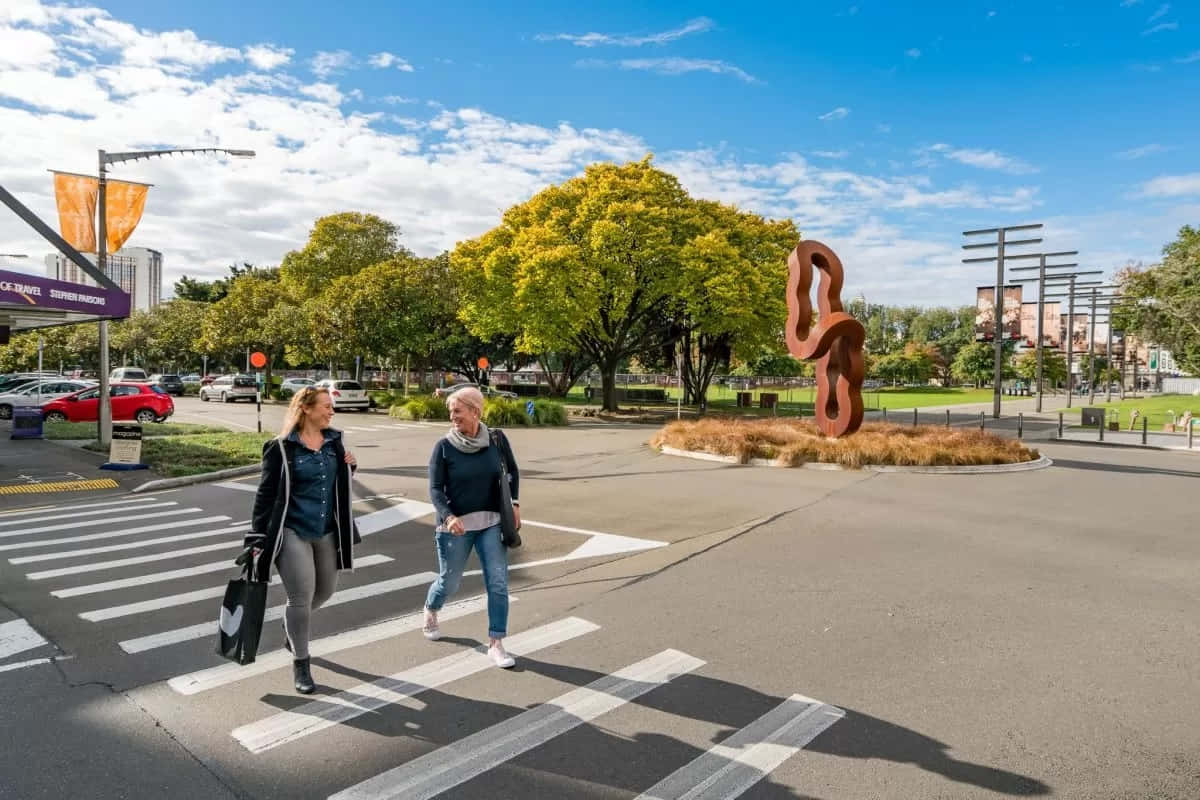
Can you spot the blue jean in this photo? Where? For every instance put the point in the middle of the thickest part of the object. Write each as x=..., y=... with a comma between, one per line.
x=453, y=552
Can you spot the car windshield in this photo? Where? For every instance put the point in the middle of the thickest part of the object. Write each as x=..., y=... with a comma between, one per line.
x=349, y=385
x=244, y=380
x=158, y=390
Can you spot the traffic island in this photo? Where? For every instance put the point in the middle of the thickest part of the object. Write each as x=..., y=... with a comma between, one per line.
x=876, y=446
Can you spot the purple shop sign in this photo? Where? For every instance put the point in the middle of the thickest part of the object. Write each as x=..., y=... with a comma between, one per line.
x=19, y=289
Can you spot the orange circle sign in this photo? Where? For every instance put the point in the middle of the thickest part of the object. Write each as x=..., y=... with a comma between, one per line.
x=482, y=363
x=258, y=360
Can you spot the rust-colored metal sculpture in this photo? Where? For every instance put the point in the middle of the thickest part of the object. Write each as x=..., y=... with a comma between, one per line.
x=835, y=343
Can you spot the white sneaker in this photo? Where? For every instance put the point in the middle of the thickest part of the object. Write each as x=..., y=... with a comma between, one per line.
x=430, y=629
x=500, y=657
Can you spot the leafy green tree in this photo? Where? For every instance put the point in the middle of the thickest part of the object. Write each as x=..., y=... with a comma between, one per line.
x=1054, y=367
x=1164, y=299
x=976, y=363
x=948, y=330
x=592, y=266
x=339, y=245
x=258, y=313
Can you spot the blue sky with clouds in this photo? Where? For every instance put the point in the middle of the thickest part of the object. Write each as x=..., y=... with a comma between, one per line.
x=884, y=131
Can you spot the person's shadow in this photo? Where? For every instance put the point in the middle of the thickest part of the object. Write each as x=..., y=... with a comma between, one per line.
x=636, y=762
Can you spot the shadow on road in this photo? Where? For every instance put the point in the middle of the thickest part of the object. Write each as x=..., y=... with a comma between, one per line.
x=1132, y=469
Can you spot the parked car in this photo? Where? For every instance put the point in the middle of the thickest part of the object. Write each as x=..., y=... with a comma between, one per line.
x=137, y=401
x=229, y=388
x=346, y=395
x=10, y=383
x=191, y=379
x=128, y=374
x=444, y=392
x=173, y=384
x=37, y=393
x=292, y=385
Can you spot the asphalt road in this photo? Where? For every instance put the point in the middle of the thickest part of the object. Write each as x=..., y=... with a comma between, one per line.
x=800, y=634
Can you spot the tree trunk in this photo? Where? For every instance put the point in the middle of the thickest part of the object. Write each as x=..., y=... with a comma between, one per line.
x=608, y=384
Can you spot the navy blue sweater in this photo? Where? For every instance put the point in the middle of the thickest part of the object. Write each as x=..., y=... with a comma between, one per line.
x=460, y=483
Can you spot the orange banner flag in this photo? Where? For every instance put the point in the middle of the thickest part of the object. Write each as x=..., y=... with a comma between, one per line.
x=124, y=204
x=76, y=198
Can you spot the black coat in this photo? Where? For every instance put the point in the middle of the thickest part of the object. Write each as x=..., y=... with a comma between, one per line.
x=274, y=494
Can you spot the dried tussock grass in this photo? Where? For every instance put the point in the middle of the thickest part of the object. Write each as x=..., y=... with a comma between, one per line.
x=795, y=442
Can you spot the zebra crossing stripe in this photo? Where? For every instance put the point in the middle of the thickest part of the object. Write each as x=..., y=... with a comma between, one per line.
x=288, y=726
x=91, y=537
x=18, y=636
x=457, y=763
x=96, y=566
x=730, y=768
x=205, y=629
x=242, y=487
x=170, y=601
x=154, y=577
x=94, y=522
x=213, y=677
x=9, y=515
x=112, y=548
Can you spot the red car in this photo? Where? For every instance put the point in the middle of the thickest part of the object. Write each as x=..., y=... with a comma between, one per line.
x=143, y=402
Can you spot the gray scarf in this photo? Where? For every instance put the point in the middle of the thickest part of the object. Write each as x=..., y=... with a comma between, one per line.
x=465, y=444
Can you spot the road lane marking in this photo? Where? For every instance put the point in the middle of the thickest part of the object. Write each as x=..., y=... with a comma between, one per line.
x=243, y=487
x=204, y=629
x=97, y=566
x=93, y=523
x=452, y=765
x=18, y=636
x=91, y=537
x=288, y=726
x=113, y=548
x=223, y=674
x=8, y=515
x=728, y=769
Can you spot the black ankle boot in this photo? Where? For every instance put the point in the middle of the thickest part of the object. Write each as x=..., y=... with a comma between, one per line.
x=304, y=681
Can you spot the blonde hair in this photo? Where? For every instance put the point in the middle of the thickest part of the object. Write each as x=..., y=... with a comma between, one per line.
x=302, y=400
x=470, y=397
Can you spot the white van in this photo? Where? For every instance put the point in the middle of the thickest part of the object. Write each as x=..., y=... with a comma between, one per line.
x=133, y=374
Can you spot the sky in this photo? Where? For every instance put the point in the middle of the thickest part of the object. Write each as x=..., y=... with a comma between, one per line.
x=884, y=132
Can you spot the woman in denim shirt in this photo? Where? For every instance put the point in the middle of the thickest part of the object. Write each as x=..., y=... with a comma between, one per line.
x=302, y=517
x=464, y=474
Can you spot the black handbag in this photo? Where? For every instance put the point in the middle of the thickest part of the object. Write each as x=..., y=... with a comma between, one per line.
x=240, y=623
x=509, y=530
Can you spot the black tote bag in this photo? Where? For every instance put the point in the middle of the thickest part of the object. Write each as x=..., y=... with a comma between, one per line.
x=240, y=623
x=508, y=520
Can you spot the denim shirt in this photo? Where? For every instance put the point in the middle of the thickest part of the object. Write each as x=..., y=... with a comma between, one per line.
x=310, y=510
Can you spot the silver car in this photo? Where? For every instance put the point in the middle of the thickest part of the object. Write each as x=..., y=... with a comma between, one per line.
x=38, y=392
x=229, y=388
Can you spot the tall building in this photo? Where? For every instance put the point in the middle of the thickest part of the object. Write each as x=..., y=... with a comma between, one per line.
x=137, y=270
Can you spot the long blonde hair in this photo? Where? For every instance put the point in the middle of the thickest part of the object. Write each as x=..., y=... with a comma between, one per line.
x=302, y=400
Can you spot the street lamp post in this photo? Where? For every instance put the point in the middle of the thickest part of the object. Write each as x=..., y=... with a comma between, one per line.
x=104, y=418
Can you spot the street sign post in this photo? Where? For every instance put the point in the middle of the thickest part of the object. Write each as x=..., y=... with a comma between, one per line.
x=258, y=360
x=529, y=408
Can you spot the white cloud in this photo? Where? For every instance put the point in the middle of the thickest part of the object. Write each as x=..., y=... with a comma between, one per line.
x=328, y=62
x=672, y=66
x=325, y=92
x=1163, y=26
x=841, y=112
x=1159, y=13
x=698, y=25
x=397, y=100
x=1142, y=152
x=1190, y=58
x=993, y=13
x=912, y=52
x=384, y=60
x=268, y=56
x=24, y=47
x=983, y=159
x=1026, y=58
x=1173, y=186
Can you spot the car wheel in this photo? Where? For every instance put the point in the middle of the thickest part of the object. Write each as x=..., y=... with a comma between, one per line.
x=56, y=416
x=145, y=415
x=224, y=397
x=5, y=412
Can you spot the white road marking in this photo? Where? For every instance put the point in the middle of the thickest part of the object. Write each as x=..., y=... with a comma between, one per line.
x=113, y=548
x=155, y=577
x=728, y=769
x=288, y=726
x=18, y=636
x=91, y=537
x=96, y=566
x=93, y=523
x=244, y=487
x=211, y=678
x=33, y=663
x=9, y=515
x=169, y=601
x=205, y=629
x=457, y=763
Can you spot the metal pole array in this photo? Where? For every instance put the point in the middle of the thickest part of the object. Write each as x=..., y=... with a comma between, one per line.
x=1043, y=279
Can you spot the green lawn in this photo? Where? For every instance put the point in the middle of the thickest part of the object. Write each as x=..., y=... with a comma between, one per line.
x=1158, y=408
x=174, y=456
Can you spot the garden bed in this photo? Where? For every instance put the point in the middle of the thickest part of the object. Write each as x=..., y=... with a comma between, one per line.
x=793, y=442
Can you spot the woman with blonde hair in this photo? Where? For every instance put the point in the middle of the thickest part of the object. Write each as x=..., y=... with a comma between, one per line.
x=303, y=518
x=464, y=484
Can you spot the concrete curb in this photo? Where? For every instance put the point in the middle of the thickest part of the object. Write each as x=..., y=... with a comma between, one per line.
x=188, y=480
x=1134, y=446
x=978, y=469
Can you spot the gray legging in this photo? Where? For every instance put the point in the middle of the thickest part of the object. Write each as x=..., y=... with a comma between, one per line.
x=308, y=569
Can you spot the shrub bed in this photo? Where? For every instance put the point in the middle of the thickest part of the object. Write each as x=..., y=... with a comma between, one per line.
x=421, y=407
x=795, y=442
